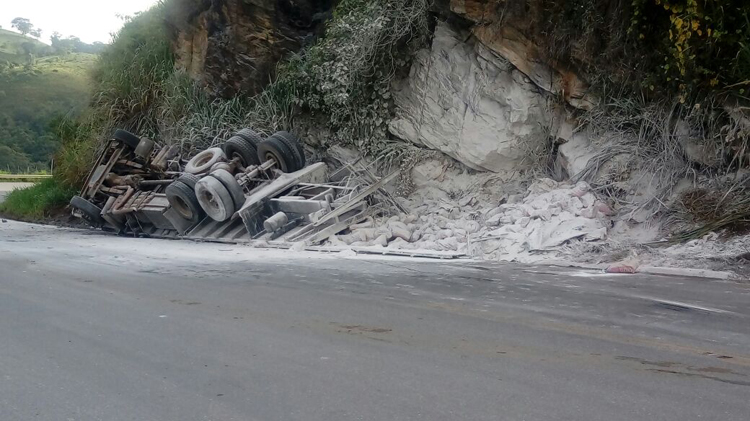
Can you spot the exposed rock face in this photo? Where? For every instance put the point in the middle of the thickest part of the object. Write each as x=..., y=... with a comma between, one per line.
x=233, y=46
x=467, y=102
x=507, y=28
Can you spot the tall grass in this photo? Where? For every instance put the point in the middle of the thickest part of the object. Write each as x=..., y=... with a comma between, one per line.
x=131, y=73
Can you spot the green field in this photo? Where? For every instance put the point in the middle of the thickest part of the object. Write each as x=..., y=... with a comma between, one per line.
x=35, y=92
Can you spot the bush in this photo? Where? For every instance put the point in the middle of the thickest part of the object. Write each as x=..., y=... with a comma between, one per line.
x=345, y=77
x=79, y=144
x=661, y=48
x=697, y=46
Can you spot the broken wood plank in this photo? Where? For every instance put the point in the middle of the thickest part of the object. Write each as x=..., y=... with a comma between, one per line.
x=354, y=201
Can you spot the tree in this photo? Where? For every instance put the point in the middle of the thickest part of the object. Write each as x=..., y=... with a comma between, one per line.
x=60, y=45
x=23, y=25
x=36, y=33
x=28, y=48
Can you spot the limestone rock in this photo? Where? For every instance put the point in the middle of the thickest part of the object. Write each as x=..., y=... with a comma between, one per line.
x=470, y=104
x=574, y=155
x=696, y=149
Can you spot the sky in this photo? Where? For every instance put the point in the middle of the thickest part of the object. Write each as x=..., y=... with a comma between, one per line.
x=89, y=20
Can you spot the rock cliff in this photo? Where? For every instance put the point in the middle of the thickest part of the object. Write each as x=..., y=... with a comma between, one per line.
x=483, y=92
x=233, y=46
x=470, y=103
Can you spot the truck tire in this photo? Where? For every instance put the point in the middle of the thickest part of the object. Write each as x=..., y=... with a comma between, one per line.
x=127, y=138
x=145, y=148
x=184, y=201
x=251, y=136
x=245, y=150
x=90, y=211
x=232, y=186
x=295, y=145
x=189, y=179
x=203, y=162
x=277, y=150
x=215, y=199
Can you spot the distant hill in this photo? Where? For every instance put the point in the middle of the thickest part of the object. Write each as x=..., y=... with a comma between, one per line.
x=32, y=96
x=15, y=48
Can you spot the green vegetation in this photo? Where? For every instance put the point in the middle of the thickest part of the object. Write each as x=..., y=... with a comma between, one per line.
x=33, y=99
x=41, y=96
x=687, y=49
x=345, y=77
x=38, y=200
x=25, y=27
x=73, y=44
x=130, y=75
x=697, y=45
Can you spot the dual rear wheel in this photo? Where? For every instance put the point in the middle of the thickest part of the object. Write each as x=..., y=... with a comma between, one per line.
x=218, y=194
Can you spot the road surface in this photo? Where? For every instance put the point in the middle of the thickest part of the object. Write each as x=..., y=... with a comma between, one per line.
x=95, y=327
x=6, y=188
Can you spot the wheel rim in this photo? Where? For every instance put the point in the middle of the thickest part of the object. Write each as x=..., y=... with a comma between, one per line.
x=87, y=214
x=276, y=159
x=210, y=199
x=237, y=155
x=182, y=207
x=203, y=160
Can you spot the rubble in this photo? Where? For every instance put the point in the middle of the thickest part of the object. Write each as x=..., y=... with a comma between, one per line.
x=549, y=215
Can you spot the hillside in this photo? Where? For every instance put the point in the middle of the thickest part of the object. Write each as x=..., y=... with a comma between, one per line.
x=31, y=97
x=14, y=47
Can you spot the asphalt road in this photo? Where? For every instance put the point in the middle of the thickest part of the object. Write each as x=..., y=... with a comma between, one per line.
x=94, y=327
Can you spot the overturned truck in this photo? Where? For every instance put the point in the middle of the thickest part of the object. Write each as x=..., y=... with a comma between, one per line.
x=249, y=188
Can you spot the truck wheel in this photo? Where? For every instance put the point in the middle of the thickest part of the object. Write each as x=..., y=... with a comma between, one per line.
x=145, y=148
x=245, y=150
x=90, y=211
x=276, y=150
x=184, y=201
x=295, y=145
x=203, y=162
x=189, y=179
x=127, y=138
x=251, y=136
x=215, y=199
x=232, y=186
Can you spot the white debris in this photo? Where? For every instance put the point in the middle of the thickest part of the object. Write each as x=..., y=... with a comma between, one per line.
x=548, y=215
